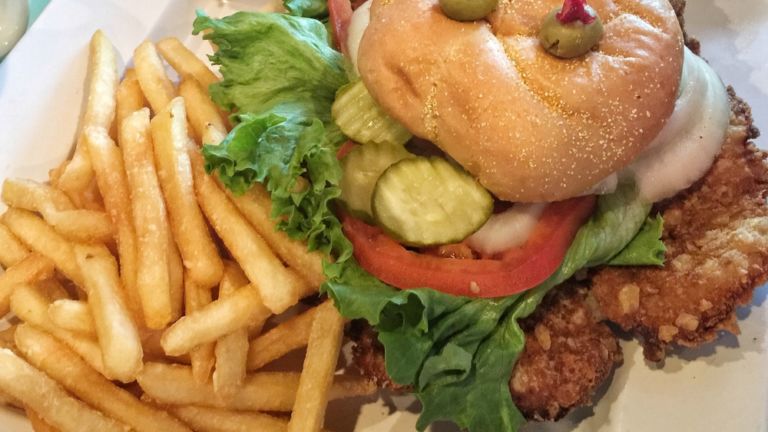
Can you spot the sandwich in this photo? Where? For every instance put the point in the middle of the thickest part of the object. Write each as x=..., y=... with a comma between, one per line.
x=493, y=182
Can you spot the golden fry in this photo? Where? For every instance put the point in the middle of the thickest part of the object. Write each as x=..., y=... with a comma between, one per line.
x=150, y=219
x=202, y=112
x=37, y=422
x=176, y=273
x=201, y=357
x=264, y=391
x=205, y=419
x=11, y=249
x=117, y=333
x=319, y=367
x=213, y=321
x=32, y=307
x=232, y=349
x=41, y=238
x=99, y=111
x=280, y=288
x=72, y=315
x=31, y=269
x=129, y=99
x=57, y=209
x=57, y=361
x=171, y=142
x=280, y=340
x=38, y=392
x=155, y=84
x=185, y=62
x=113, y=184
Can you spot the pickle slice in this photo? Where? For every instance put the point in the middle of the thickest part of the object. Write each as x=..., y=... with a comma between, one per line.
x=427, y=201
x=361, y=119
x=360, y=170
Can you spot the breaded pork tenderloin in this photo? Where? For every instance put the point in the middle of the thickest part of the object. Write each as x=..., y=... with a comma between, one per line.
x=568, y=355
x=716, y=235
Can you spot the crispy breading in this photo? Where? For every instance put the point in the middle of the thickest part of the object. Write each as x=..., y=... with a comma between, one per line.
x=716, y=234
x=568, y=354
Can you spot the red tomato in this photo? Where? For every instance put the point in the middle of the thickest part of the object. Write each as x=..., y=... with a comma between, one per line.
x=340, y=13
x=345, y=149
x=516, y=270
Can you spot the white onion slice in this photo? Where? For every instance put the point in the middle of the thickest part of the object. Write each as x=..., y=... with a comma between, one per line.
x=507, y=229
x=357, y=25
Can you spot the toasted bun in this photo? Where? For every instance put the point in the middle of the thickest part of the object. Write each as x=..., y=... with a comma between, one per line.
x=529, y=126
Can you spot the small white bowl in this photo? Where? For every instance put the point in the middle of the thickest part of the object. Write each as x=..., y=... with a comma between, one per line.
x=13, y=23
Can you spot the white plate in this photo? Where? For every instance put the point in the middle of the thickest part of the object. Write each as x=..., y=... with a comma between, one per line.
x=721, y=387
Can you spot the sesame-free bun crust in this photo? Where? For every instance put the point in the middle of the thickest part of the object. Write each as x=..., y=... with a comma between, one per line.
x=530, y=127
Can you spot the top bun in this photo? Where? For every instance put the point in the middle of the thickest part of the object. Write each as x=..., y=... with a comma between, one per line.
x=529, y=126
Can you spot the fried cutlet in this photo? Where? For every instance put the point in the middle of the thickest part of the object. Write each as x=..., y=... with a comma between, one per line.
x=716, y=235
x=568, y=354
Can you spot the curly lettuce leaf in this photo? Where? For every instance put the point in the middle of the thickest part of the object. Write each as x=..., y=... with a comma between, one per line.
x=461, y=349
x=280, y=76
x=274, y=63
x=307, y=8
x=646, y=248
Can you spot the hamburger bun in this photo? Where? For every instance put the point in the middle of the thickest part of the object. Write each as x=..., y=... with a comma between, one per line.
x=529, y=126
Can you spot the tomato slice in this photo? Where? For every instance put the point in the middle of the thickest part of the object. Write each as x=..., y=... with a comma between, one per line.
x=515, y=270
x=340, y=13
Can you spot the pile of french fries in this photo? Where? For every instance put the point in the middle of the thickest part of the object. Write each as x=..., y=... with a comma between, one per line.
x=136, y=288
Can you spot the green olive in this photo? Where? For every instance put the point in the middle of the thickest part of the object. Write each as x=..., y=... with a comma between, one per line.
x=570, y=40
x=467, y=10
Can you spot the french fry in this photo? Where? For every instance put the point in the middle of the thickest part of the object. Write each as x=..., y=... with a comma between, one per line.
x=58, y=211
x=232, y=349
x=38, y=392
x=199, y=253
x=72, y=315
x=9, y=401
x=213, y=321
x=31, y=269
x=155, y=85
x=317, y=374
x=32, y=308
x=201, y=111
x=280, y=288
x=11, y=249
x=264, y=391
x=185, y=62
x=150, y=218
x=129, y=99
x=99, y=111
x=205, y=419
x=64, y=366
x=153, y=351
x=201, y=357
x=233, y=277
x=176, y=273
x=41, y=238
x=113, y=184
x=282, y=339
x=37, y=422
x=256, y=206
x=116, y=331
x=33, y=196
